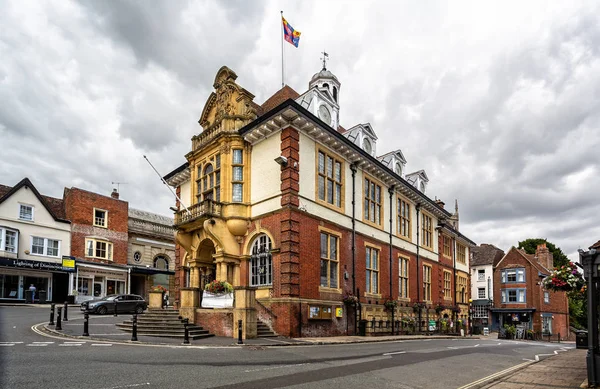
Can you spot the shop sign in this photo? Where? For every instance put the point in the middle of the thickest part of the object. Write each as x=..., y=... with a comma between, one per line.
x=68, y=262
x=34, y=265
x=83, y=272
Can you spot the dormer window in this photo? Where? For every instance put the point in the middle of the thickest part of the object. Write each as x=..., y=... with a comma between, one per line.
x=398, y=168
x=367, y=145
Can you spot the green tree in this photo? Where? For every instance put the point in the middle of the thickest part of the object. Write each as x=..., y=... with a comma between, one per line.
x=530, y=245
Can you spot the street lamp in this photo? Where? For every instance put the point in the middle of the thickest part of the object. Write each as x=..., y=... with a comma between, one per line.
x=470, y=314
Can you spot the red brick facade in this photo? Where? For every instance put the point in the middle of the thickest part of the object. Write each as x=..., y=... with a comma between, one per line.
x=79, y=209
x=558, y=306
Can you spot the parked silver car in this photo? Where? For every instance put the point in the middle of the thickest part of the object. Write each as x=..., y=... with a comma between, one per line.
x=123, y=302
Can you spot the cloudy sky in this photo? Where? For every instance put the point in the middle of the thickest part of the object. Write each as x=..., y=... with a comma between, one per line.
x=498, y=102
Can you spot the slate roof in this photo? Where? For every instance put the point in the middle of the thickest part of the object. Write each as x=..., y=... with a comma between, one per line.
x=279, y=97
x=486, y=254
x=594, y=246
x=56, y=207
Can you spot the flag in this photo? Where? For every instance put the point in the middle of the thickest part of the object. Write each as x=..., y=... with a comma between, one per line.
x=289, y=34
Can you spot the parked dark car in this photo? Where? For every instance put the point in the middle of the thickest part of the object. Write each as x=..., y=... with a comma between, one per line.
x=124, y=303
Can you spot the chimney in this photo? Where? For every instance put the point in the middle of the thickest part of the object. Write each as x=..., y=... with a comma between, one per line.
x=115, y=194
x=440, y=203
x=544, y=256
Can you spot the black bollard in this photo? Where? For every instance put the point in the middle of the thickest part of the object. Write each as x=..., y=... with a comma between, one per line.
x=58, y=316
x=134, y=328
x=186, y=333
x=86, y=319
x=51, y=315
x=240, y=332
x=559, y=337
x=65, y=318
x=115, y=301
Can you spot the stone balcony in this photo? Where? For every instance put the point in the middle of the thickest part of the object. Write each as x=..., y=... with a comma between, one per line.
x=198, y=213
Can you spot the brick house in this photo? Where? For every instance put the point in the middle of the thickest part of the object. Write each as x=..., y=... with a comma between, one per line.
x=98, y=242
x=295, y=211
x=520, y=299
x=484, y=258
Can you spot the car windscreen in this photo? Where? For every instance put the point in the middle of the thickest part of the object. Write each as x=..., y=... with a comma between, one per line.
x=109, y=298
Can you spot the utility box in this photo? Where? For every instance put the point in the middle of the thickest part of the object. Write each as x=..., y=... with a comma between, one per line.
x=362, y=328
x=581, y=339
x=28, y=296
x=42, y=297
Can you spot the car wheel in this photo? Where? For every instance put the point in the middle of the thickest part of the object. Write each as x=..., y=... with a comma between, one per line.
x=102, y=310
x=139, y=309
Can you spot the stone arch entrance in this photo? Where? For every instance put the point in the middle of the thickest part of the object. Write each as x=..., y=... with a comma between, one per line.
x=205, y=263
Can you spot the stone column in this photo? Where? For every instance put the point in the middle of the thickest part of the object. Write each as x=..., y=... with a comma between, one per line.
x=190, y=300
x=244, y=310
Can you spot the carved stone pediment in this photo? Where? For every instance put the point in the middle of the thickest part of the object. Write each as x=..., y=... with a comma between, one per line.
x=228, y=108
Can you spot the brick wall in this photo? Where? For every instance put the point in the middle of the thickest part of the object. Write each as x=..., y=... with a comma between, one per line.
x=216, y=321
x=79, y=209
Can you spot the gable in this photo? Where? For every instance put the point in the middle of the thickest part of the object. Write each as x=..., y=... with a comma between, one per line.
x=10, y=205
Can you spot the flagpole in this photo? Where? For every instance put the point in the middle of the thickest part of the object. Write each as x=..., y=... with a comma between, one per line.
x=281, y=24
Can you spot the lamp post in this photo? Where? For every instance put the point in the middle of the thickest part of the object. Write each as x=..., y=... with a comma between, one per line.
x=470, y=315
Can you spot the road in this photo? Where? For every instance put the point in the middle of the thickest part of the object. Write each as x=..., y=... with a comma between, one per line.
x=30, y=360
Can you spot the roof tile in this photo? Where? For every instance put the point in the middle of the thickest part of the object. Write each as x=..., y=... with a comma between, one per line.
x=279, y=97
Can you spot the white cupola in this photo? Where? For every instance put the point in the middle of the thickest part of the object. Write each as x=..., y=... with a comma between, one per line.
x=322, y=97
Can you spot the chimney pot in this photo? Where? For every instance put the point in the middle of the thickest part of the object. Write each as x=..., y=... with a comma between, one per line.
x=115, y=194
x=440, y=203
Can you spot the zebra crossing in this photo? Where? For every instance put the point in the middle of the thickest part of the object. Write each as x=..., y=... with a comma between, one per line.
x=59, y=344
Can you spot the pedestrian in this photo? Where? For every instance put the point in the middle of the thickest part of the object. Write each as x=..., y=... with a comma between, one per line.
x=165, y=300
x=32, y=289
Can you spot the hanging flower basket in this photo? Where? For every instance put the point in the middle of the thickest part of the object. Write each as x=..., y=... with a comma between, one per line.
x=350, y=299
x=456, y=309
x=390, y=305
x=439, y=308
x=564, y=279
x=418, y=306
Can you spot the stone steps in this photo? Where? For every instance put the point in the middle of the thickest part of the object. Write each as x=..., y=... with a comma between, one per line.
x=164, y=323
x=263, y=330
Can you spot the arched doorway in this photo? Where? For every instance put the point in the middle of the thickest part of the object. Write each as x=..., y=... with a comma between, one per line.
x=205, y=261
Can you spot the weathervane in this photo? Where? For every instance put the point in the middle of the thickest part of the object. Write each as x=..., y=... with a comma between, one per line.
x=324, y=59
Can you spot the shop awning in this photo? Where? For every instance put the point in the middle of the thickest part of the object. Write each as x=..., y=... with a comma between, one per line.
x=150, y=270
x=34, y=265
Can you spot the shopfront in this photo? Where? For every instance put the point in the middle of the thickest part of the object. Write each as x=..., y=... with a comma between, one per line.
x=520, y=318
x=96, y=281
x=49, y=279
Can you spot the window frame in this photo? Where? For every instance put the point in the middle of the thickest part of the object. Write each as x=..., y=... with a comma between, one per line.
x=3, y=233
x=505, y=295
x=105, y=224
x=461, y=288
x=446, y=246
x=235, y=183
x=546, y=297
x=372, y=272
x=519, y=273
x=479, y=296
x=427, y=282
x=426, y=231
x=45, y=247
x=403, y=223
x=255, y=261
x=461, y=253
x=403, y=277
x=480, y=274
x=19, y=214
x=369, y=202
x=108, y=249
x=203, y=190
x=338, y=236
x=334, y=181
x=447, y=285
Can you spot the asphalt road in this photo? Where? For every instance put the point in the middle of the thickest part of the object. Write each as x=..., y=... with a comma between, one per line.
x=30, y=360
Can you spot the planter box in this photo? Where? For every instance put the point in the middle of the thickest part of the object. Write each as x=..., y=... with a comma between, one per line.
x=155, y=299
x=210, y=300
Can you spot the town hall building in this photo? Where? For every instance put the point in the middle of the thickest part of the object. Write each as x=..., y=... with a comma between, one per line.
x=301, y=215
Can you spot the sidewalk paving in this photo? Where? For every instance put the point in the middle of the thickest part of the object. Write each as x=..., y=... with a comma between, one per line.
x=564, y=370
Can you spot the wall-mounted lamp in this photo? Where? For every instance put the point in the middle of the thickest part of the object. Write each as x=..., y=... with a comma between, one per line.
x=173, y=209
x=281, y=160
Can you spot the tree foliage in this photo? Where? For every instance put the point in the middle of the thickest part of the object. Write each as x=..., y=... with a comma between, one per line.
x=530, y=246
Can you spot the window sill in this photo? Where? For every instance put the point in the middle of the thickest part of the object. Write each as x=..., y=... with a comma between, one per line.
x=26, y=220
x=330, y=290
x=104, y=259
x=404, y=238
x=373, y=295
x=404, y=299
x=373, y=224
x=333, y=207
x=97, y=225
x=43, y=255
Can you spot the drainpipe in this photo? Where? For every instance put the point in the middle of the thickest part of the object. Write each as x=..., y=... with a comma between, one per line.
x=353, y=169
x=391, y=192
x=418, y=208
x=454, y=274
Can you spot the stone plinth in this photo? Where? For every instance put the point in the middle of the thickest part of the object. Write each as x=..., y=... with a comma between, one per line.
x=155, y=299
x=245, y=311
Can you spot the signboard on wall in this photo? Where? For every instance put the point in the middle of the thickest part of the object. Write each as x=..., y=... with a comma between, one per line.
x=34, y=265
x=68, y=262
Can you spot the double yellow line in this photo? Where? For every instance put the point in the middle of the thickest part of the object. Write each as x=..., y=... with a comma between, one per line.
x=496, y=375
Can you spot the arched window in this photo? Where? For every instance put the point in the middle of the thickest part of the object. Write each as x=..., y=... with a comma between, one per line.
x=335, y=94
x=211, y=181
x=367, y=145
x=161, y=262
x=326, y=85
x=261, y=262
x=398, y=168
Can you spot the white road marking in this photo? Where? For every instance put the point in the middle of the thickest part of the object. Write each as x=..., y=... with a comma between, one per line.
x=394, y=353
x=11, y=342
x=74, y=342
x=102, y=344
x=42, y=342
x=498, y=374
x=276, y=367
x=127, y=386
x=70, y=344
x=7, y=344
x=38, y=345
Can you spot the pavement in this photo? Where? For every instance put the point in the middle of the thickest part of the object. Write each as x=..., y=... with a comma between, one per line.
x=566, y=369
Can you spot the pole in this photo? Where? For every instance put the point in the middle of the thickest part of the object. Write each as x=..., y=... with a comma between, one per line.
x=51, y=315
x=418, y=208
x=281, y=21
x=391, y=193
x=240, y=341
x=58, y=317
x=134, y=326
x=186, y=332
x=115, y=302
x=86, y=319
x=65, y=318
x=165, y=182
x=353, y=168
